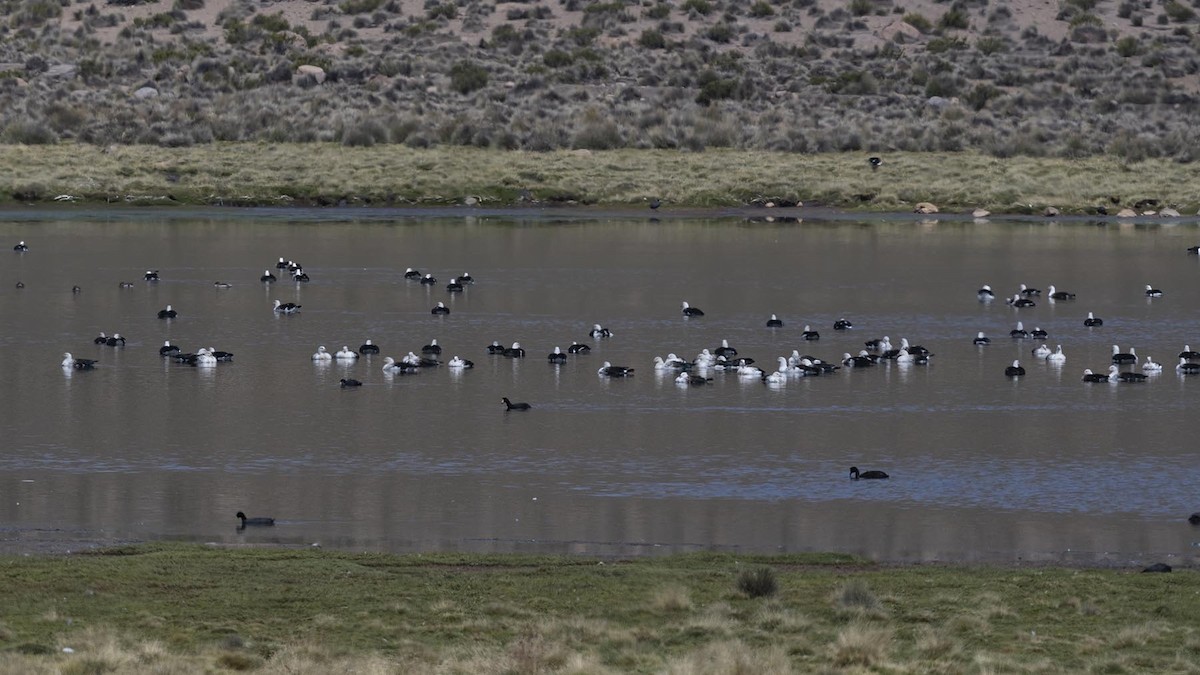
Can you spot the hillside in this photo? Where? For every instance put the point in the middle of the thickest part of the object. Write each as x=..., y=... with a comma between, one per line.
x=1029, y=77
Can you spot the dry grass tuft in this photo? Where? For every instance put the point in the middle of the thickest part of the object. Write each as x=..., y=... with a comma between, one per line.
x=671, y=598
x=731, y=658
x=861, y=645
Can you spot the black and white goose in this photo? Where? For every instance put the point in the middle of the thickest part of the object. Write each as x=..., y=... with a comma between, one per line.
x=1015, y=370
x=1038, y=334
x=454, y=286
x=1115, y=375
x=267, y=277
x=298, y=275
x=725, y=350
x=856, y=361
x=167, y=313
x=1188, y=354
x=1152, y=292
x=1019, y=302
x=281, y=265
x=985, y=293
x=20, y=247
x=842, y=324
x=286, y=307
x=557, y=356
x=609, y=370
x=509, y=405
x=346, y=354
x=77, y=364
x=1122, y=358
x=1092, y=321
x=692, y=380
x=599, y=331
x=809, y=334
x=100, y=339
x=432, y=348
x=855, y=474
x=350, y=383
x=1186, y=367
x=440, y=308
x=115, y=340
x=688, y=310
x=515, y=351
x=981, y=339
x=410, y=273
x=1030, y=292
x=368, y=348
x=428, y=280
x=150, y=275
x=1089, y=376
x=1055, y=294
x=254, y=522
x=458, y=363
x=495, y=348
x=1041, y=351
x=168, y=349
x=466, y=278
x=578, y=348
x=1019, y=332
x=774, y=322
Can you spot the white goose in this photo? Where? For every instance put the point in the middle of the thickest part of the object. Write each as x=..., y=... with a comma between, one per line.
x=344, y=354
x=322, y=355
x=1058, y=356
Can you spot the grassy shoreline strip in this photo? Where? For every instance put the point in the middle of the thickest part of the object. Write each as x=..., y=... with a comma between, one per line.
x=329, y=174
x=183, y=608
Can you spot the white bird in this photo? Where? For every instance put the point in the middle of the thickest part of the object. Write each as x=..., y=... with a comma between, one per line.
x=410, y=359
x=456, y=362
x=1058, y=356
x=205, y=359
x=749, y=371
x=986, y=294
x=775, y=378
x=1041, y=351
x=1151, y=366
x=904, y=356
x=345, y=354
x=322, y=355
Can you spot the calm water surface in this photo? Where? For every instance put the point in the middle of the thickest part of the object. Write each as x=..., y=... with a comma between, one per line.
x=983, y=467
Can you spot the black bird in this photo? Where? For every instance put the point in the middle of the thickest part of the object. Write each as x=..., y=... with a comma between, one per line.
x=150, y=275
x=267, y=277
x=368, y=348
x=578, y=348
x=1152, y=292
x=1015, y=370
x=1019, y=332
x=100, y=339
x=286, y=307
x=875, y=162
x=466, y=278
x=428, y=280
x=254, y=522
x=1019, y=302
x=1089, y=376
x=299, y=275
x=432, y=348
x=21, y=247
x=1156, y=567
x=168, y=349
x=220, y=355
x=557, y=356
x=869, y=475
x=1060, y=295
x=1038, y=334
x=609, y=370
x=1194, y=519
x=856, y=361
x=774, y=322
x=982, y=339
x=842, y=324
x=725, y=350
x=688, y=310
x=1194, y=250
x=1030, y=292
x=115, y=341
x=440, y=309
x=693, y=380
x=810, y=334
x=515, y=351
x=495, y=348
x=1187, y=353
x=281, y=265
x=78, y=364
x=350, y=383
x=1092, y=321
x=20, y=284
x=75, y=289
x=167, y=313
x=410, y=273
x=454, y=286
x=985, y=294
x=599, y=331
x=509, y=405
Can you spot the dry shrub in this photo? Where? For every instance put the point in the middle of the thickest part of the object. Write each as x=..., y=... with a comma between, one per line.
x=672, y=598
x=732, y=658
x=759, y=582
x=861, y=645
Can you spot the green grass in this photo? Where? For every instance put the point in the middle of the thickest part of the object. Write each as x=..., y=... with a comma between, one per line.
x=327, y=174
x=182, y=608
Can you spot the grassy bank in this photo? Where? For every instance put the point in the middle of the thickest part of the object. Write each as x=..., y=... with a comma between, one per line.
x=328, y=174
x=172, y=608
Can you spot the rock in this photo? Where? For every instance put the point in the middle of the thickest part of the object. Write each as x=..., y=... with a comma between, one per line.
x=61, y=70
x=470, y=201
x=1149, y=213
x=1050, y=212
x=980, y=213
x=146, y=92
x=21, y=82
x=293, y=40
x=1127, y=213
x=317, y=72
x=925, y=207
x=1158, y=567
x=938, y=102
x=1168, y=213
x=1194, y=519
x=900, y=32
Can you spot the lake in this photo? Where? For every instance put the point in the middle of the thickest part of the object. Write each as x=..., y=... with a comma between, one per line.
x=982, y=467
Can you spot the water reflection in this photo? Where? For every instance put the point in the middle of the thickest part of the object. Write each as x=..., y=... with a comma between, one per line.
x=982, y=466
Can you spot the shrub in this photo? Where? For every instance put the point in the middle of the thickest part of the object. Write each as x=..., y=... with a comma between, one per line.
x=719, y=32
x=978, y=97
x=861, y=7
x=359, y=6
x=188, y=5
x=700, y=6
x=989, y=45
x=938, y=45
x=1178, y=12
x=857, y=595
x=762, y=9
x=918, y=21
x=28, y=133
x=953, y=18
x=466, y=77
x=272, y=23
x=652, y=39
x=659, y=12
x=557, y=58
x=759, y=582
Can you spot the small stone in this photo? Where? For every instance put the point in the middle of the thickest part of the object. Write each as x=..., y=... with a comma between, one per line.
x=1127, y=213
x=317, y=72
x=980, y=213
x=1050, y=212
x=1168, y=213
x=470, y=201
x=146, y=92
x=925, y=207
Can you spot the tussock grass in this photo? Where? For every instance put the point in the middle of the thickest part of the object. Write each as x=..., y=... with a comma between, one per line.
x=184, y=609
x=331, y=174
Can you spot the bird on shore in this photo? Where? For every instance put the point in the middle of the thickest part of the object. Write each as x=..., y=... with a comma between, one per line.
x=254, y=522
x=509, y=405
x=868, y=475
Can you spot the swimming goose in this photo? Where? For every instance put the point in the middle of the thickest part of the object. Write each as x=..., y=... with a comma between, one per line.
x=168, y=349
x=515, y=351
x=167, y=313
x=1015, y=370
x=774, y=322
x=878, y=343
x=350, y=382
x=1089, y=376
x=495, y=347
x=688, y=310
x=1019, y=332
x=281, y=265
x=1058, y=356
x=115, y=341
x=322, y=355
x=428, y=280
x=1041, y=351
x=985, y=293
x=220, y=355
x=368, y=348
x=466, y=278
x=748, y=371
x=267, y=277
x=454, y=286
x=346, y=354
x=1038, y=334
x=299, y=275
x=1119, y=357
x=441, y=308
x=254, y=522
x=725, y=350
x=390, y=367
x=775, y=378
x=293, y=266
x=150, y=275
x=855, y=361
x=1029, y=292
x=609, y=370
x=204, y=358
x=1018, y=301
x=689, y=378
x=410, y=273
x=1152, y=292
x=705, y=359
x=981, y=339
x=1187, y=368
x=1114, y=375
x=78, y=364
x=809, y=334
x=1092, y=321
x=600, y=332
x=21, y=247
x=1187, y=353
x=100, y=339
x=1060, y=295
x=286, y=307
x=509, y=405
x=1151, y=366
x=842, y=324
x=557, y=356
x=577, y=348
x=432, y=348
x=222, y=284
x=459, y=363
x=868, y=475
